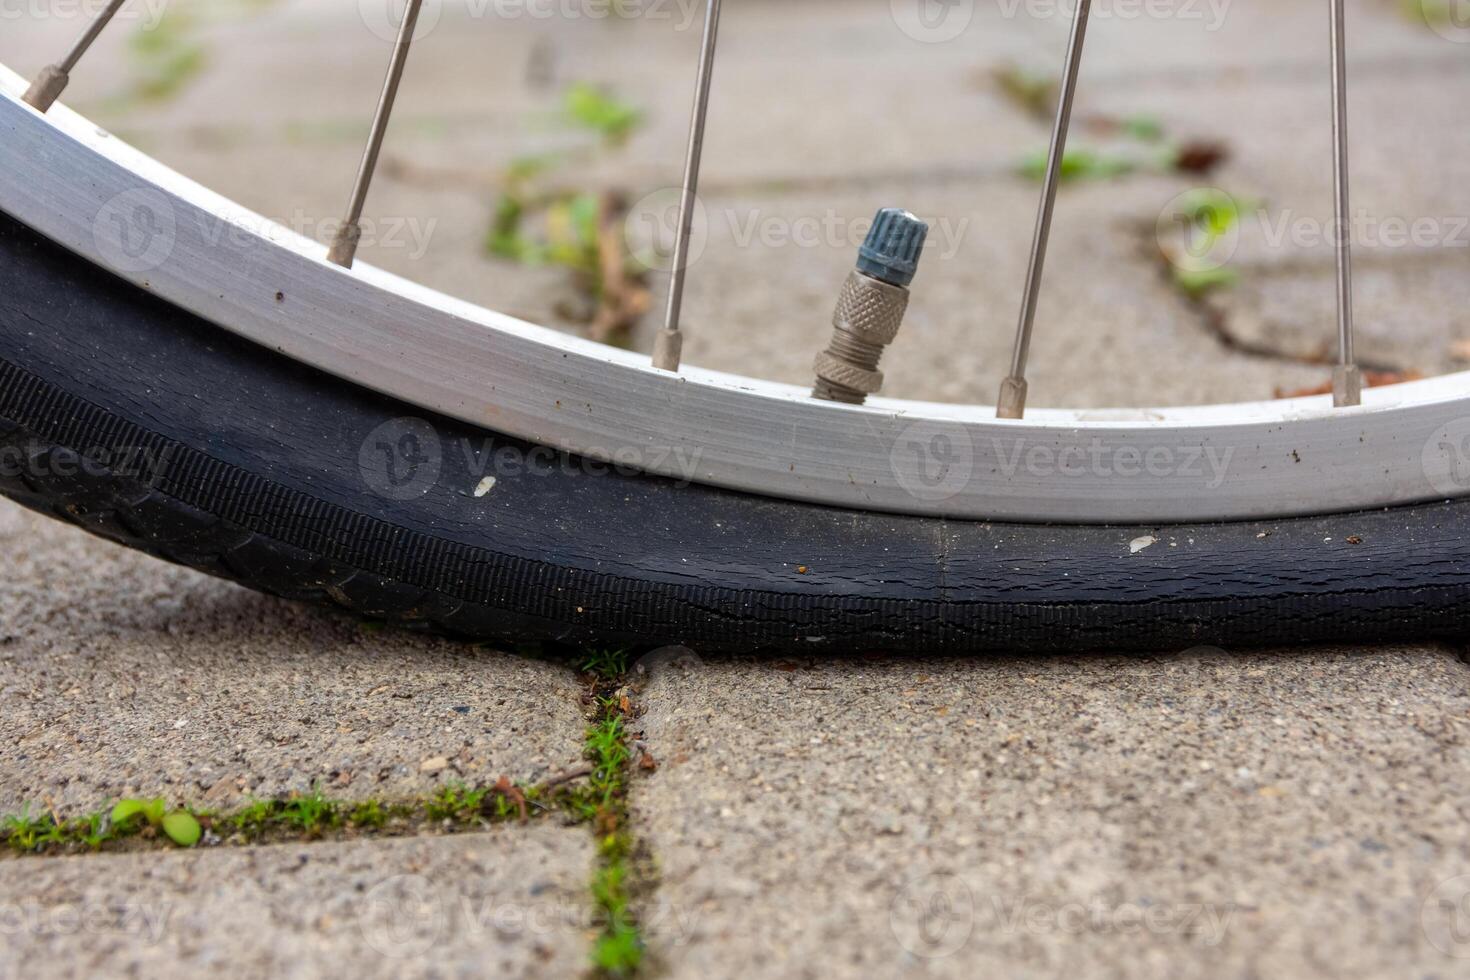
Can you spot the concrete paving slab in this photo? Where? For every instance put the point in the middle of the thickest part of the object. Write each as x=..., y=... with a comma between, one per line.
x=511, y=902
x=1283, y=813
x=123, y=675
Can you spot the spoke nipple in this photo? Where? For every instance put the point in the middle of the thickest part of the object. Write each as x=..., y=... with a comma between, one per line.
x=344, y=244
x=47, y=88
x=870, y=308
x=1012, y=403
x=1347, y=386
x=668, y=346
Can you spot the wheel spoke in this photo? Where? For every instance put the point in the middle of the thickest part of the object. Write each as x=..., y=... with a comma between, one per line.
x=668, y=346
x=1347, y=380
x=1012, y=403
x=53, y=78
x=344, y=242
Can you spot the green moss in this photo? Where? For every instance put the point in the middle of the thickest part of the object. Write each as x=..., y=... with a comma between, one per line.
x=1078, y=163
x=619, y=949
x=303, y=817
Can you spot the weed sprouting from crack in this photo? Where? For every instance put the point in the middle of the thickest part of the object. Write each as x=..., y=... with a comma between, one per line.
x=619, y=950
x=606, y=666
x=139, y=824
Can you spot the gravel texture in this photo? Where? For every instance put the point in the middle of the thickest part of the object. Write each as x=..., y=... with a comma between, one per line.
x=1283, y=813
x=120, y=675
x=509, y=903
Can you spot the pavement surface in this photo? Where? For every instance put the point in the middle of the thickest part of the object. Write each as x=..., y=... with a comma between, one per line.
x=508, y=903
x=1213, y=813
x=1209, y=813
x=123, y=676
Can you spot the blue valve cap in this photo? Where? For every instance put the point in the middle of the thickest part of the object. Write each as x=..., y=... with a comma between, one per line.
x=891, y=251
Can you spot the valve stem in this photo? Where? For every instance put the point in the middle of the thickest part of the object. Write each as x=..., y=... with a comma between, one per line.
x=870, y=308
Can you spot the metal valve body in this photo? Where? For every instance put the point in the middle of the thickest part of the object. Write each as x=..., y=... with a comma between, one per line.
x=870, y=308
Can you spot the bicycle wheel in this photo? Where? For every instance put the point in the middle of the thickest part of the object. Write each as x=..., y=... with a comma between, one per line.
x=351, y=438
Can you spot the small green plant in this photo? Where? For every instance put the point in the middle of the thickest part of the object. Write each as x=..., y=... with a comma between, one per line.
x=125, y=812
x=596, y=109
x=1145, y=129
x=1078, y=163
x=1207, y=216
x=179, y=826
x=255, y=817
x=1435, y=13
x=1035, y=93
x=605, y=664
x=24, y=832
x=1211, y=212
x=164, y=59
x=618, y=950
x=304, y=817
x=1195, y=283
x=368, y=814
x=182, y=828
x=311, y=814
x=456, y=801
x=94, y=830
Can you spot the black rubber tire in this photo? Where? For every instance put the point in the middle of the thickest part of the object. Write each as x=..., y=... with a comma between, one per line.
x=141, y=423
